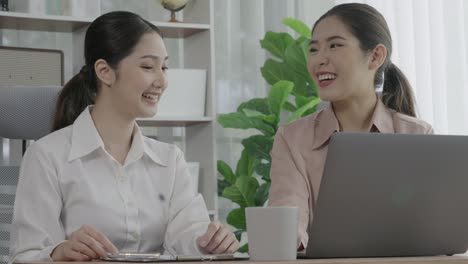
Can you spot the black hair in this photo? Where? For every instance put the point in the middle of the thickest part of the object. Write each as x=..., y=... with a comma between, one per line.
x=370, y=28
x=110, y=37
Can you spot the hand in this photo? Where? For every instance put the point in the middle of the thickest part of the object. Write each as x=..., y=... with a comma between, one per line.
x=218, y=239
x=84, y=244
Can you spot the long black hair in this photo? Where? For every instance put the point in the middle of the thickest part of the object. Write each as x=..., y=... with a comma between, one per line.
x=110, y=37
x=370, y=28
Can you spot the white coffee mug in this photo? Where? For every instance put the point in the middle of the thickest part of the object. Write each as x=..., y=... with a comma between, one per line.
x=272, y=232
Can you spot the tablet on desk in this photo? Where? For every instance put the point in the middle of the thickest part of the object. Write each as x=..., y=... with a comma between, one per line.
x=156, y=257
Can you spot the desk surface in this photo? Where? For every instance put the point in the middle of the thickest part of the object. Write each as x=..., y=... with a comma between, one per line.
x=409, y=260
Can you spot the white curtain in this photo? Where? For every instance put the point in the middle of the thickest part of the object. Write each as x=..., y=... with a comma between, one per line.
x=430, y=39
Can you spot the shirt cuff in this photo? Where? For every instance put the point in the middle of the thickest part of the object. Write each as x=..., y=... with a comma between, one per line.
x=45, y=254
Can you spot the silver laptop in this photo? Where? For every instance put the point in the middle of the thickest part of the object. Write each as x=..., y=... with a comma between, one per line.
x=392, y=195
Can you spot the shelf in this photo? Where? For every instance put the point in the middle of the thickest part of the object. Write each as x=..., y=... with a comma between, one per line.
x=24, y=21
x=173, y=121
x=180, y=29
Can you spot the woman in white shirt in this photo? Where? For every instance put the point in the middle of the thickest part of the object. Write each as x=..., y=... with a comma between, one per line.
x=97, y=186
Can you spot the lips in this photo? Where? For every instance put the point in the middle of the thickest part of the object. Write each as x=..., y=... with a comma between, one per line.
x=326, y=78
x=151, y=98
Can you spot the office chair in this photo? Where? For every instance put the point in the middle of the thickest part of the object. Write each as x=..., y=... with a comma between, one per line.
x=26, y=113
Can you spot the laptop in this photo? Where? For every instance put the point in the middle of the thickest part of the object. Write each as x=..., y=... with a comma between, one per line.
x=389, y=195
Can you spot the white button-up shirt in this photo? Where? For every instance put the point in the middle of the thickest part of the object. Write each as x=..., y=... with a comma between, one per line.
x=68, y=179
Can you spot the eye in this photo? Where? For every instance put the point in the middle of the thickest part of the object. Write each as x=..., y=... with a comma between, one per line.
x=313, y=50
x=147, y=67
x=334, y=46
x=165, y=68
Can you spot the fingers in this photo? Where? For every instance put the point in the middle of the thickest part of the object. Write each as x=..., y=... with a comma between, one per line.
x=68, y=250
x=90, y=247
x=229, y=244
x=233, y=247
x=82, y=251
x=75, y=256
x=210, y=232
x=98, y=241
x=218, y=239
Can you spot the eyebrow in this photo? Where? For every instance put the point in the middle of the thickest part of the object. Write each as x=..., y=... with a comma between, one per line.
x=154, y=57
x=328, y=39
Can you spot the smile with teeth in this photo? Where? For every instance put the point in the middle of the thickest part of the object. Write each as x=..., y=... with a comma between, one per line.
x=151, y=96
x=326, y=77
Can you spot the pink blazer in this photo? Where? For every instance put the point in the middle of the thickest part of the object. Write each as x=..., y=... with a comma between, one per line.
x=300, y=149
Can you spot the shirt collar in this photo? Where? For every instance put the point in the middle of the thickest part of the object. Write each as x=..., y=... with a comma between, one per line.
x=383, y=118
x=140, y=147
x=327, y=123
x=86, y=139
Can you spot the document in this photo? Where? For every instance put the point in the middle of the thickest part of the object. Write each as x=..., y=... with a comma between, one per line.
x=155, y=257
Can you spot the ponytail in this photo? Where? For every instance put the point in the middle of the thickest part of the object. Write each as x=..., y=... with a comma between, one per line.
x=110, y=37
x=76, y=95
x=397, y=93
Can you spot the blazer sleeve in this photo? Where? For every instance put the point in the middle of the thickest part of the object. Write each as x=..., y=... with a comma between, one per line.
x=288, y=183
x=36, y=226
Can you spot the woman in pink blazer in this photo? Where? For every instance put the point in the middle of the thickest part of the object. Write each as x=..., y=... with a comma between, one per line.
x=350, y=56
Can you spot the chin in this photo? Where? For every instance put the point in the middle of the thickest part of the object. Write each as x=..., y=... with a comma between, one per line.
x=330, y=95
x=326, y=96
x=148, y=113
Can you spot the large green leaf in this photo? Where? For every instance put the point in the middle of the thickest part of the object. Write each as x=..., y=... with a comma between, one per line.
x=298, y=26
x=296, y=59
x=236, y=218
x=262, y=194
x=300, y=112
x=222, y=184
x=246, y=164
x=270, y=119
x=263, y=169
x=288, y=106
x=259, y=146
x=297, y=62
x=278, y=95
x=225, y=170
x=241, y=121
x=257, y=104
x=276, y=43
x=302, y=100
x=243, y=191
x=274, y=71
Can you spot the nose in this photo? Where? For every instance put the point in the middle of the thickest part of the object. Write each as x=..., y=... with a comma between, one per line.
x=317, y=60
x=321, y=58
x=160, y=79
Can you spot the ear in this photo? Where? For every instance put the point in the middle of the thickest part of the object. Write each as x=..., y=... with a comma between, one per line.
x=104, y=72
x=377, y=57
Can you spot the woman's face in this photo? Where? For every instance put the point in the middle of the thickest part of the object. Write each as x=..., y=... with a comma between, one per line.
x=338, y=66
x=141, y=78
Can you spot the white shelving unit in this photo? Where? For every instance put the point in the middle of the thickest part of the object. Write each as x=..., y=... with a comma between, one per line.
x=51, y=23
x=195, y=38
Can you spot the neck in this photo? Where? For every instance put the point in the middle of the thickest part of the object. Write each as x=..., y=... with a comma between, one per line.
x=114, y=129
x=355, y=114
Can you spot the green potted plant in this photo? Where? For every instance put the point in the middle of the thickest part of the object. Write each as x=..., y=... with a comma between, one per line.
x=292, y=96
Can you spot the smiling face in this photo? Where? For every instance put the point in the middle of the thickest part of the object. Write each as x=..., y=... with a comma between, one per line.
x=141, y=78
x=336, y=63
